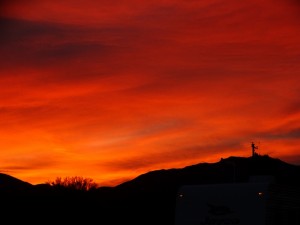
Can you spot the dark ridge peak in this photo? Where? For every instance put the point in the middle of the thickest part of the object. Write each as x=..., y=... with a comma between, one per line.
x=11, y=186
x=10, y=181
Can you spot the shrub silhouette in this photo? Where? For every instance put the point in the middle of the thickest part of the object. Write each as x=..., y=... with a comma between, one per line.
x=74, y=183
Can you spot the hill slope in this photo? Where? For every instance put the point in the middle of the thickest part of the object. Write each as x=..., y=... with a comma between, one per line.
x=232, y=169
x=10, y=183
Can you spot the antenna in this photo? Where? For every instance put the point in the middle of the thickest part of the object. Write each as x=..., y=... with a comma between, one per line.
x=253, y=147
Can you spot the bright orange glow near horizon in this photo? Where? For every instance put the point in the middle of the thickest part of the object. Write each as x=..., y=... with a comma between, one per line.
x=114, y=89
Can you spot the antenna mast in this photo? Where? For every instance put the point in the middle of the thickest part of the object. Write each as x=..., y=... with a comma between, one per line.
x=253, y=146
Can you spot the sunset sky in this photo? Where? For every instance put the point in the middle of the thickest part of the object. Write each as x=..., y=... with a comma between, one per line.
x=111, y=89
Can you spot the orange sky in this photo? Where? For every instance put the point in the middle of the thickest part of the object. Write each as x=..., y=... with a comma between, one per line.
x=113, y=89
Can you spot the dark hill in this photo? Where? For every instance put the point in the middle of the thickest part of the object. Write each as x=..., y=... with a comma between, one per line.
x=232, y=169
x=152, y=195
x=11, y=184
x=149, y=198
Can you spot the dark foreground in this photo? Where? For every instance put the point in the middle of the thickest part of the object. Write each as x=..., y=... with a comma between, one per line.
x=129, y=208
x=147, y=199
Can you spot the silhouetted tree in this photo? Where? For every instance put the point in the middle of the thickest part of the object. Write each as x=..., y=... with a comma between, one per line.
x=74, y=183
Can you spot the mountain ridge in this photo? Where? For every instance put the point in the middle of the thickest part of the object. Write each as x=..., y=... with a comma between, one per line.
x=148, y=199
x=9, y=182
x=231, y=168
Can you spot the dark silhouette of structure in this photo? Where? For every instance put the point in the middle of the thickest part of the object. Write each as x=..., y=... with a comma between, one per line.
x=253, y=146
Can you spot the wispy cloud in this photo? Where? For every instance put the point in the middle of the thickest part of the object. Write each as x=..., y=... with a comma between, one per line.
x=122, y=88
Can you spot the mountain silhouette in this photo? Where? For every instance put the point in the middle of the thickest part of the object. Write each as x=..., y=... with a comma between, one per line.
x=11, y=184
x=147, y=199
x=10, y=181
x=232, y=169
